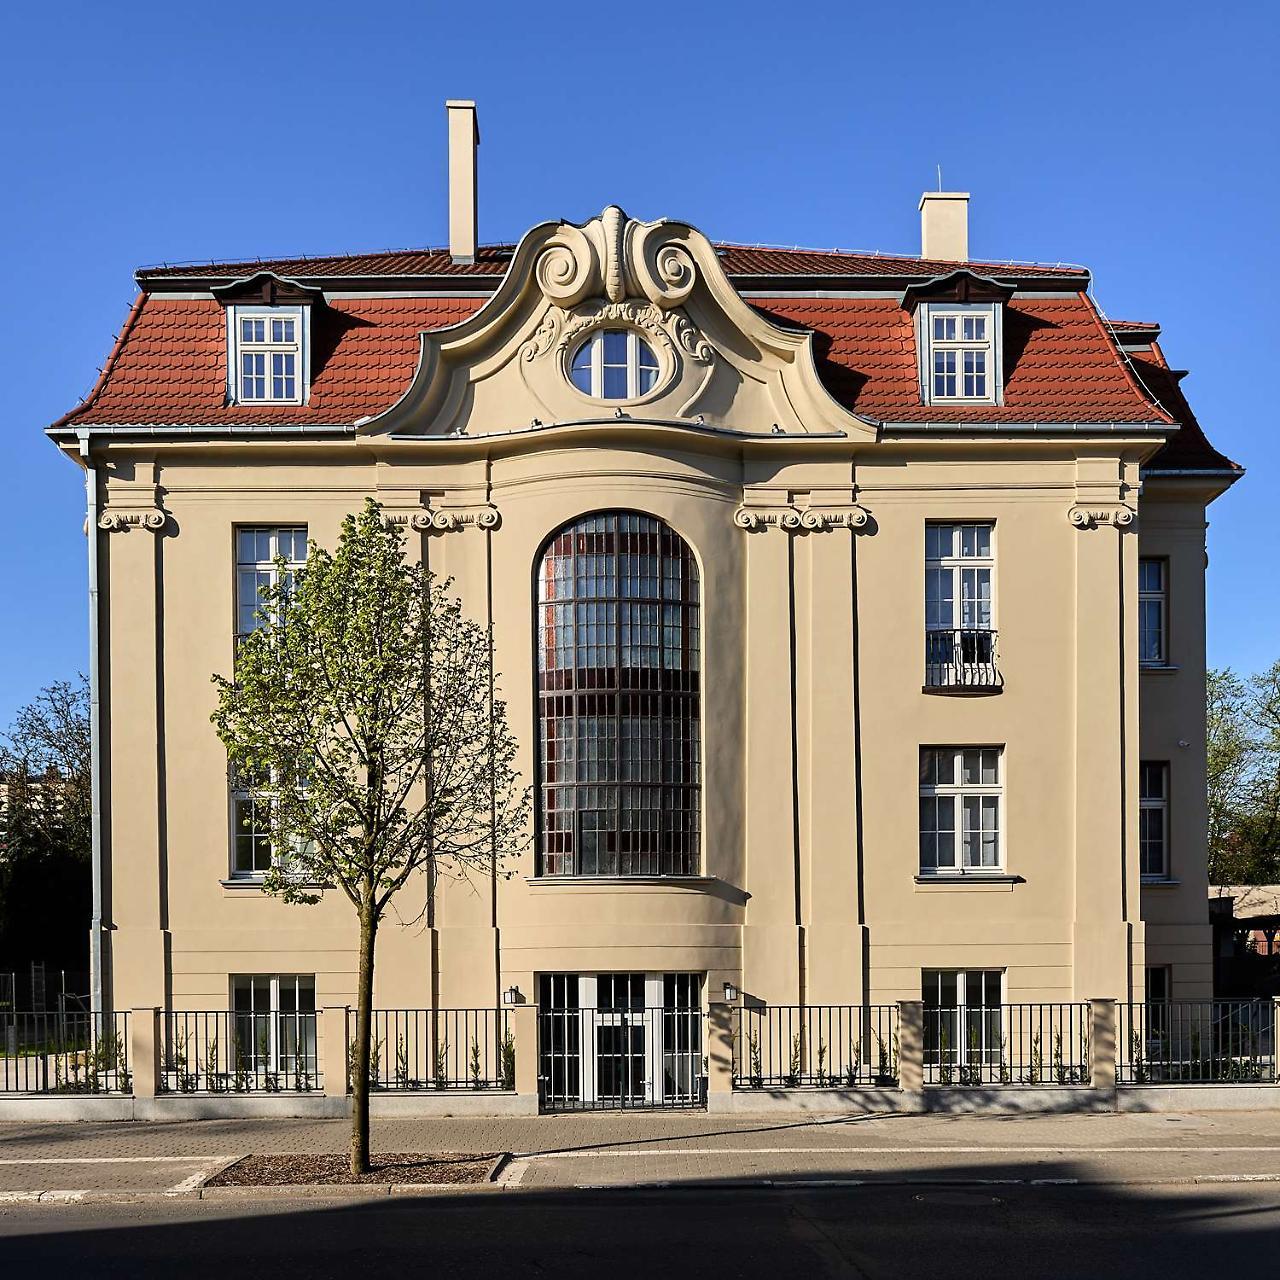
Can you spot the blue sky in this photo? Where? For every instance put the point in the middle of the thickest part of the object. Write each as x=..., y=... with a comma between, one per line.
x=1139, y=140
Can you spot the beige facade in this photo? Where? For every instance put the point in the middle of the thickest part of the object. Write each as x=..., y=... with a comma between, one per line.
x=807, y=520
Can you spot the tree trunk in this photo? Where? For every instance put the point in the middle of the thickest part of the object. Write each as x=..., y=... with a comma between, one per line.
x=362, y=1043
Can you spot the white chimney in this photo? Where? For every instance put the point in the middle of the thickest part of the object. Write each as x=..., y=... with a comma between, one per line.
x=944, y=225
x=464, y=138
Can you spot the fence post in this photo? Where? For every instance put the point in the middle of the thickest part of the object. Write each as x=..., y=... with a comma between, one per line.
x=721, y=1020
x=1102, y=1045
x=911, y=1046
x=333, y=1050
x=1275, y=1038
x=144, y=1051
x=524, y=1031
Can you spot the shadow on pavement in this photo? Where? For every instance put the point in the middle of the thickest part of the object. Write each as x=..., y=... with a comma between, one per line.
x=928, y=1230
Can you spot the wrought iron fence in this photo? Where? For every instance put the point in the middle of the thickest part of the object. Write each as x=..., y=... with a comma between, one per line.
x=414, y=1049
x=606, y=1059
x=1197, y=1042
x=1007, y=1044
x=64, y=1053
x=961, y=659
x=816, y=1046
x=221, y=1051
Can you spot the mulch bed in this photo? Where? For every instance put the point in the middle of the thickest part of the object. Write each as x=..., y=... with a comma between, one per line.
x=401, y=1168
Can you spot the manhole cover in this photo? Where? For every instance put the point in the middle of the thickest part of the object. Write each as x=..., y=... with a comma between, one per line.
x=966, y=1199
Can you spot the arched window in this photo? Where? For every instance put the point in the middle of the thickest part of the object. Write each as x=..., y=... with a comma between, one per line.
x=619, y=759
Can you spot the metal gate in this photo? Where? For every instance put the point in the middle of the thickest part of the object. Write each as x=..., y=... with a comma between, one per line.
x=621, y=1053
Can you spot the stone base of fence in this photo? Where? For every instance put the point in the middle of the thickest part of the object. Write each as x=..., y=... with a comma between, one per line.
x=791, y=1102
x=1198, y=1097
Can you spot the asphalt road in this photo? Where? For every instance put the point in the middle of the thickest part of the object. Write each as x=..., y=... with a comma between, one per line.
x=1020, y=1231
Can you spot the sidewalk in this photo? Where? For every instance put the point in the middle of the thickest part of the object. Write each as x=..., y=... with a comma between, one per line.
x=676, y=1148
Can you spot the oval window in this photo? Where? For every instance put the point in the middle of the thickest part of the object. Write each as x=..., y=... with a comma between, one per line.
x=614, y=364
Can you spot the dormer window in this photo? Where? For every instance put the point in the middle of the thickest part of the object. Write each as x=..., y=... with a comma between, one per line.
x=267, y=355
x=961, y=349
x=959, y=319
x=961, y=359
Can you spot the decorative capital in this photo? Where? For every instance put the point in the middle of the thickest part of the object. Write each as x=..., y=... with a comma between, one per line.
x=447, y=519
x=1091, y=517
x=756, y=519
x=850, y=517
x=116, y=521
x=809, y=520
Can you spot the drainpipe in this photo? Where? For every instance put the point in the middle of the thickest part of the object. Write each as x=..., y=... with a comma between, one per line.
x=95, y=729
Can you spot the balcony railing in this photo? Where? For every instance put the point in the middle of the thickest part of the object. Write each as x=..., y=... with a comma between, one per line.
x=963, y=660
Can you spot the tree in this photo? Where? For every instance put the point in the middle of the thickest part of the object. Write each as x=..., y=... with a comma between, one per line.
x=363, y=718
x=45, y=828
x=1243, y=741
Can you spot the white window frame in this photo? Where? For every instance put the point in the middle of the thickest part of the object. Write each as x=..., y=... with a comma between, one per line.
x=260, y=568
x=1159, y=805
x=990, y=1053
x=958, y=791
x=927, y=346
x=273, y=1056
x=956, y=562
x=1160, y=597
x=300, y=349
x=595, y=342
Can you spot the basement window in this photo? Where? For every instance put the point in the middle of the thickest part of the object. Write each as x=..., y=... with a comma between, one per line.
x=267, y=358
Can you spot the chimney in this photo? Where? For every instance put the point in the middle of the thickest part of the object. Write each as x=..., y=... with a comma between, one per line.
x=464, y=138
x=944, y=225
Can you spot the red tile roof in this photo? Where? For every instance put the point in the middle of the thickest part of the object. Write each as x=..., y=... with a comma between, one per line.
x=170, y=366
x=1059, y=364
x=493, y=260
x=1061, y=360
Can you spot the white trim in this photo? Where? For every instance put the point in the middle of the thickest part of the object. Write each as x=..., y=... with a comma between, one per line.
x=959, y=791
x=927, y=346
x=269, y=349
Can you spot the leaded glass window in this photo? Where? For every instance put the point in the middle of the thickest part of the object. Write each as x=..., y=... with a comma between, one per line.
x=619, y=700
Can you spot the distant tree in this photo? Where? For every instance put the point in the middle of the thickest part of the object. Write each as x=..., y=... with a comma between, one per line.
x=45, y=827
x=1243, y=740
x=363, y=719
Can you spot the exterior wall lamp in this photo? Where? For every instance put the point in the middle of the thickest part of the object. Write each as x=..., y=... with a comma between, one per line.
x=511, y=995
x=731, y=993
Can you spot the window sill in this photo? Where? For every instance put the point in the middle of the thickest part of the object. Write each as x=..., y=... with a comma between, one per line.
x=976, y=881
x=249, y=884
x=962, y=690
x=1160, y=882
x=614, y=882
x=1158, y=668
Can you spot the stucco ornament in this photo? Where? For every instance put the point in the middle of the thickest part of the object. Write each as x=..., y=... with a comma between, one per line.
x=447, y=519
x=757, y=514
x=1119, y=515
x=722, y=365
x=754, y=519
x=120, y=521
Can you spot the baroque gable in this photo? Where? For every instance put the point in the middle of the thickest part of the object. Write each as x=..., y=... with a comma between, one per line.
x=720, y=365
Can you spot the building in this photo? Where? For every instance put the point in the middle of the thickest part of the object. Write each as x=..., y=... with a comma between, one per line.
x=849, y=608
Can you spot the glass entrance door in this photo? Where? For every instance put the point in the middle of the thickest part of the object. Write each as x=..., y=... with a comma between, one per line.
x=620, y=1040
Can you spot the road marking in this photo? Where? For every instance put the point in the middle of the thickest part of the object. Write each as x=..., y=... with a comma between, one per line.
x=115, y=1159
x=654, y=1152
